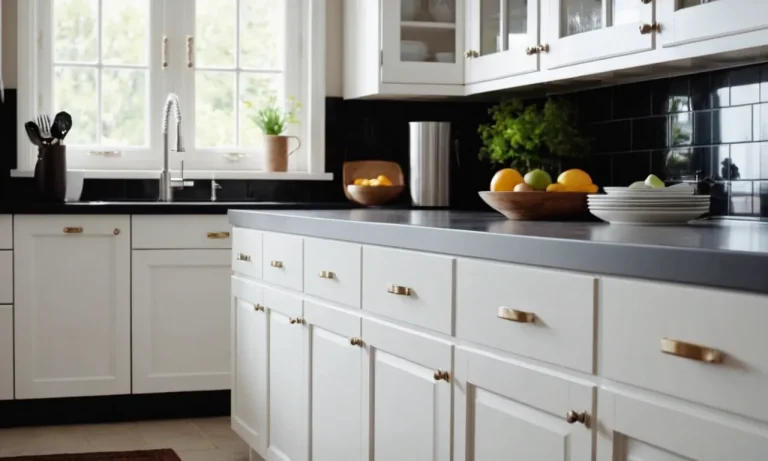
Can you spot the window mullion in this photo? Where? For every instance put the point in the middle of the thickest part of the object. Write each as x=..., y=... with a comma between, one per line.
x=99, y=105
x=237, y=74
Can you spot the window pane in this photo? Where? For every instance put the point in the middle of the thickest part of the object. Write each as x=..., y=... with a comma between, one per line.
x=123, y=116
x=261, y=34
x=75, y=37
x=581, y=16
x=255, y=89
x=215, y=109
x=75, y=92
x=517, y=17
x=215, y=37
x=125, y=29
x=490, y=26
x=690, y=3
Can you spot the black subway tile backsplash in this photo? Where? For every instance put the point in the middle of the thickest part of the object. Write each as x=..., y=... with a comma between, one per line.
x=650, y=133
x=702, y=128
x=681, y=129
x=732, y=124
x=745, y=161
x=745, y=86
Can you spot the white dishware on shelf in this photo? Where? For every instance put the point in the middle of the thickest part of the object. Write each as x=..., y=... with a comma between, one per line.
x=445, y=57
x=656, y=217
x=442, y=10
x=414, y=46
x=410, y=9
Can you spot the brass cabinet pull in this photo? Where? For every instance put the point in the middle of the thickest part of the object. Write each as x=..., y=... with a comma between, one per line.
x=164, y=51
x=276, y=264
x=218, y=235
x=356, y=341
x=243, y=257
x=531, y=50
x=73, y=230
x=326, y=275
x=468, y=54
x=190, y=51
x=573, y=417
x=690, y=351
x=513, y=315
x=398, y=290
x=542, y=48
x=296, y=320
x=442, y=375
x=258, y=308
x=646, y=28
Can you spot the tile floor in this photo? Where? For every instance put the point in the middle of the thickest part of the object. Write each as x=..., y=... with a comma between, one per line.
x=209, y=439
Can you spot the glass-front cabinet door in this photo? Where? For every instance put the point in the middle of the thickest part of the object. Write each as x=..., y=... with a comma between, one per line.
x=687, y=21
x=422, y=41
x=501, y=39
x=579, y=31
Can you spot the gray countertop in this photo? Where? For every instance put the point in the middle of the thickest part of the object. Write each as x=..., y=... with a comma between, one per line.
x=725, y=254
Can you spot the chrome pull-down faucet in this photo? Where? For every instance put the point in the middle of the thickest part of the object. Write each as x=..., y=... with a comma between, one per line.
x=167, y=184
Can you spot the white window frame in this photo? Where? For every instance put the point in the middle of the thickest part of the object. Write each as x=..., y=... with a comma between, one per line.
x=307, y=79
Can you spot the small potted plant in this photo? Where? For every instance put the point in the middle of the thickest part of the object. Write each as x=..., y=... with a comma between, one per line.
x=273, y=120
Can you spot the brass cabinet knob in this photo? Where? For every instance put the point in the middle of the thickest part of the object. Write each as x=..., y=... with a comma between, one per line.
x=276, y=264
x=398, y=290
x=542, y=48
x=243, y=257
x=116, y=231
x=513, y=315
x=573, y=417
x=645, y=2
x=73, y=230
x=475, y=54
x=646, y=28
x=356, y=341
x=258, y=308
x=691, y=351
x=326, y=275
x=468, y=54
x=218, y=235
x=442, y=375
x=296, y=321
x=531, y=50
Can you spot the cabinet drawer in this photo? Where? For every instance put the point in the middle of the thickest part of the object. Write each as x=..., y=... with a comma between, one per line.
x=246, y=252
x=422, y=285
x=6, y=352
x=181, y=232
x=283, y=262
x=6, y=277
x=494, y=300
x=637, y=316
x=332, y=270
x=6, y=232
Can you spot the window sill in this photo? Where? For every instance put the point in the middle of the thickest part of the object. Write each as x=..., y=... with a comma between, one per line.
x=195, y=175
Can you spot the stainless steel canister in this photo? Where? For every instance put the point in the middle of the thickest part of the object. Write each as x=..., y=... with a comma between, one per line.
x=430, y=148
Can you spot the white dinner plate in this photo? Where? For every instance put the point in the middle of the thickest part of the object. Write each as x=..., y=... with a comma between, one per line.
x=647, y=217
x=649, y=207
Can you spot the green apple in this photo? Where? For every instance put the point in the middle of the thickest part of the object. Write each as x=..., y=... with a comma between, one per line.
x=653, y=181
x=638, y=185
x=538, y=179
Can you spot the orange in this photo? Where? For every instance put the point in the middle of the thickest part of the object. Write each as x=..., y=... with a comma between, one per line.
x=505, y=180
x=589, y=188
x=556, y=187
x=384, y=181
x=574, y=178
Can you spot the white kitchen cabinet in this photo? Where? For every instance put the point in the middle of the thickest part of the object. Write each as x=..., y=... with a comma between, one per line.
x=502, y=36
x=250, y=365
x=72, y=322
x=403, y=47
x=507, y=410
x=579, y=31
x=6, y=352
x=406, y=394
x=687, y=21
x=6, y=232
x=337, y=359
x=288, y=378
x=180, y=305
x=644, y=427
x=6, y=277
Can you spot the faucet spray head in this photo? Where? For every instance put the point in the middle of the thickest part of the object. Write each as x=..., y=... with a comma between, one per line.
x=179, y=143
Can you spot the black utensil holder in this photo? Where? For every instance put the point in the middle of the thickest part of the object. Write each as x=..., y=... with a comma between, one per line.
x=51, y=172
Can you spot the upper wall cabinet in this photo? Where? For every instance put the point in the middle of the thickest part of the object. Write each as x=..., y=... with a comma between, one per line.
x=579, y=31
x=502, y=39
x=403, y=47
x=687, y=21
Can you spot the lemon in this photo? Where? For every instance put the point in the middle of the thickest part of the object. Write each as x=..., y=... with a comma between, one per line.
x=359, y=182
x=384, y=181
x=556, y=187
x=574, y=178
x=505, y=180
x=365, y=182
x=374, y=183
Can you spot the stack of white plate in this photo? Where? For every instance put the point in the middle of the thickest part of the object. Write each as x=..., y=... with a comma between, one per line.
x=671, y=205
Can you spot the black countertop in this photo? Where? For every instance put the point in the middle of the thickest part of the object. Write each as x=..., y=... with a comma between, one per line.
x=157, y=208
x=726, y=254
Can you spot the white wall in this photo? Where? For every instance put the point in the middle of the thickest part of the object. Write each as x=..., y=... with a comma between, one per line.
x=334, y=43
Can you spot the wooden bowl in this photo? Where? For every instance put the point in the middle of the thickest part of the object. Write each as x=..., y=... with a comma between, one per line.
x=535, y=206
x=369, y=169
x=373, y=195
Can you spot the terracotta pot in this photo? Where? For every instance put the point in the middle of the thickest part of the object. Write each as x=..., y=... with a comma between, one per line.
x=277, y=152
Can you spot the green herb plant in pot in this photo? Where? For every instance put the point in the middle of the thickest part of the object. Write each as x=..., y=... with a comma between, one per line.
x=273, y=120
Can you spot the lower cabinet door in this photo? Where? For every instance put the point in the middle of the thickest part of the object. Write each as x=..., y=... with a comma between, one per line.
x=6, y=352
x=288, y=378
x=505, y=410
x=336, y=383
x=406, y=395
x=250, y=370
x=181, y=309
x=644, y=427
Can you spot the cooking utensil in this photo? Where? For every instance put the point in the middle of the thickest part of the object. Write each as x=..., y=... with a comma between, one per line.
x=62, y=123
x=44, y=122
x=33, y=133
